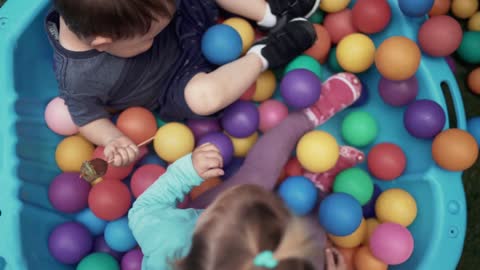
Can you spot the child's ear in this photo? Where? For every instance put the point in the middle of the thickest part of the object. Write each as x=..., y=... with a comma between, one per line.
x=101, y=43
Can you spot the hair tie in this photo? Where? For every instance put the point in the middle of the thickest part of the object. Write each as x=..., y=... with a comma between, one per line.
x=265, y=259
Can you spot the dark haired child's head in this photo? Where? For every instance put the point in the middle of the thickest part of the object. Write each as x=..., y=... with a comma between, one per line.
x=246, y=221
x=121, y=27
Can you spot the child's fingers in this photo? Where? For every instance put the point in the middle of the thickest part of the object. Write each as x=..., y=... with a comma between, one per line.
x=214, y=155
x=124, y=155
x=132, y=154
x=211, y=163
x=212, y=173
x=340, y=259
x=209, y=147
x=330, y=259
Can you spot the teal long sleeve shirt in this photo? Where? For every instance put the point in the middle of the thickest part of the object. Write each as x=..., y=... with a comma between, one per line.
x=163, y=231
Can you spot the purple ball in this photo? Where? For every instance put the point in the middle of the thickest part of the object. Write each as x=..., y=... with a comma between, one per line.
x=451, y=63
x=202, y=127
x=68, y=192
x=241, y=119
x=222, y=142
x=369, y=208
x=132, y=260
x=300, y=88
x=70, y=242
x=398, y=93
x=101, y=245
x=424, y=119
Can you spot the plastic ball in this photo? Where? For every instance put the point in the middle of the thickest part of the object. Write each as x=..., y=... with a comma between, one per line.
x=293, y=167
x=440, y=36
x=221, y=44
x=305, y=62
x=138, y=124
x=353, y=240
x=386, y=161
x=272, y=112
x=201, y=127
x=333, y=5
x=119, y=236
x=184, y=203
x=398, y=93
x=248, y=94
x=144, y=177
x=98, y=261
x=173, y=141
x=318, y=151
x=95, y=225
x=300, y=88
x=299, y=194
x=114, y=173
x=109, y=199
x=241, y=119
x=371, y=16
x=356, y=182
x=464, y=9
x=424, y=119
x=372, y=224
x=355, y=53
x=391, y=243
x=151, y=158
x=397, y=58
x=241, y=146
x=440, y=7
x=469, y=50
x=364, y=97
x=455, y=150
x=68, y=193
x=244, y=29
x=322, y=46
x=70, y=242
x=396, y=205
x=132, y=260
x=317, y=16
x=473, y=81
x=340, y=214
x=364, y=260
x=474, y=22
x=415, y=8
x=359, y=128
x=264, y=86
x=369, y=207
x=101, y=246
x=58, y=119
x=349, y=255
x=473, y=127
x=333, y=61
x=204, y=187
x=339, y=25
x=71, y=152
x=233, y=167
x=222, y=142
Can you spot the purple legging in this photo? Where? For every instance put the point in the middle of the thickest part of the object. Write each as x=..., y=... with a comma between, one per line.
x=265, y=161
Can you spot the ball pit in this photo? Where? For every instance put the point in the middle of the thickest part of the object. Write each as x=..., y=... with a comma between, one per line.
x=101, y=246
x=333, y=5
x=474, y=81
x=359, y=129
x=109, y=199
x=455, y=150
x=201, y=127
x=72, y=152
x=474, y=22
x=364, y=260
x=440, y=7
x=415, y=8
x=353, y=240
x=272, y=112
x=264, y=86
x=144, y=177
x=173, y=141
x=369, y=207
x=137, y=123
x=469, y=48
x=95, y=225
x=98, y=261
x=473, y=127
x=244, y=29
x=305, y=62
x=241, y=146
x=356, y=182
x=299, y=194
x=322, y=46
x=372, y=224
x=115, y=173
x=464, y=9
x=132, y=260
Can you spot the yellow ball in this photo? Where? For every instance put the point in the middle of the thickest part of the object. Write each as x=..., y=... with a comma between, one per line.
x=242, y=146
x=353, y=240
x=245, y=29
x=474, y=22
x=372, y=224
x=265, y=86
x=72, y=152
x=333, y=5
x=173, y=141
x=464, y=9
x=397, y=206
x=356, y=53
x=318, y=151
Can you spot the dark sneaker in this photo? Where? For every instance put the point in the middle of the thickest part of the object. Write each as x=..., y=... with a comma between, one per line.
x=286, y=10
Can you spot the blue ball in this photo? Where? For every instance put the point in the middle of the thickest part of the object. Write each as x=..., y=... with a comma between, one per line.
x=340, y=214
x=362, y=100
x=151, y=158
x=415, y=8
x=95, y=225
x=299, y=194
x=473, y=126
x=118, y=235
x=369, y=208
x=221, y=44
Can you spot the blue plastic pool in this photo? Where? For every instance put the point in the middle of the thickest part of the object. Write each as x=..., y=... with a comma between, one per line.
x=27, y=147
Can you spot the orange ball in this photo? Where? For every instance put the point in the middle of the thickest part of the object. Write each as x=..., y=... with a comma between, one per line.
x=473, y=81
x=349, y=255
x=455, y=150
x=440, y=7
x=398, y=58
x=109, y=199
x=321, y=47
x=137, y=123
x=204, y=187
x=364, y=260
x=293, y=168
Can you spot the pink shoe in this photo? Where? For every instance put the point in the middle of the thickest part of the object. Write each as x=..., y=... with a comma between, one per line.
x=338, y=92
x=349, y=157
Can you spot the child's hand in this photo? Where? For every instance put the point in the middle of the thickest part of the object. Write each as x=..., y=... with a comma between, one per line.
x=207, y=161
x=334, y=260
x=121, y=151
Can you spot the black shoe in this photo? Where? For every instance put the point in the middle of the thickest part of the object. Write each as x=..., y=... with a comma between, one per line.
x=283, y=45
x=286, y=10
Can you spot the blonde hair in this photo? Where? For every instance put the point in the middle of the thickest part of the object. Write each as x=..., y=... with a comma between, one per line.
x=245, y=221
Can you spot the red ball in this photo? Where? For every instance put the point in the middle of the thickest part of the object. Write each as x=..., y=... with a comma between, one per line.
x=371, y=16
x=293, y=168
x=339, y=25
x=137, y=123
x=109, y=199
x=144, y=177
x=117, y=173
x=272, y=112
x=386, y=161
x=440, y=36
x=321, y=47
x=248, y=95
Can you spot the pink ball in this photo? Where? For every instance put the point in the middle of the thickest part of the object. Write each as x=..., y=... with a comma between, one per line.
x=272, y=112
x=144, y=177
x=391, y=243
x=58, y=118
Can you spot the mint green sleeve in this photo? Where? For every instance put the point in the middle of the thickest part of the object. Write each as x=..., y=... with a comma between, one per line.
x=163, y=231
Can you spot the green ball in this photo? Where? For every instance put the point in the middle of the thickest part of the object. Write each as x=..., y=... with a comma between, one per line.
x=359, y=129
x=317, y=17
x=98, y=261
x=305, y=62
x=469, y=49
x=356, y=182
x=160, y=122
x=333, y=61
